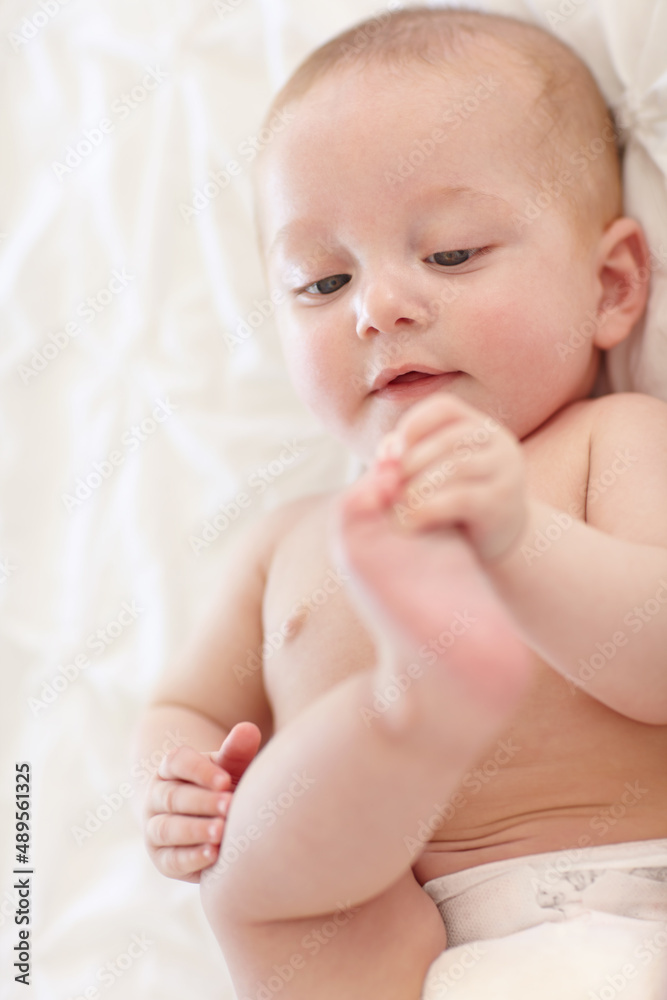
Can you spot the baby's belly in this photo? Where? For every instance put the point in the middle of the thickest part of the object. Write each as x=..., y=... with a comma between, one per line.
x=570, y=773
x=495, y=834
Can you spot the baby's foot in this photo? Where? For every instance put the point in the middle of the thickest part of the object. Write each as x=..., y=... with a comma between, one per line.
x=426, y=600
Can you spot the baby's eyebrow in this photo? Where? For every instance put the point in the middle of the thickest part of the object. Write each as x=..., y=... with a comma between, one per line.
x=286, y=232
x=455, y=193
x=439, y=192
x=280, y=237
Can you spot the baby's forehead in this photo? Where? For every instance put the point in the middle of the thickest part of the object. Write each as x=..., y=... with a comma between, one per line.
x=353, y=122
x=348, y=100
x=525, y=91
x=340, y=102
x=448, y=79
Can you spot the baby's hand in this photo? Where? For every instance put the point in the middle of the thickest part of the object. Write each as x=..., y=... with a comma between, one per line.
x=458, y=467
x=188, y=799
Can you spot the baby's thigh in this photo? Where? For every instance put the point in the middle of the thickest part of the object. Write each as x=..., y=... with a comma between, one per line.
x=380, y=950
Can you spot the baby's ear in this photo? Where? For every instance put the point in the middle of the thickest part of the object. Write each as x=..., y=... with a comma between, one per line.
x=623, y=273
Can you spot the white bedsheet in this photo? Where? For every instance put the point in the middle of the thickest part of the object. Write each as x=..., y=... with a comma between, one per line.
x=124, y=269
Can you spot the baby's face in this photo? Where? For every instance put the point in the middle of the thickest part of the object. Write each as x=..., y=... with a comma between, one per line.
x=396, y=253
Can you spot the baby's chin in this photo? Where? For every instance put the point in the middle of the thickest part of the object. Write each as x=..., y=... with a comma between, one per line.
x=364, y=441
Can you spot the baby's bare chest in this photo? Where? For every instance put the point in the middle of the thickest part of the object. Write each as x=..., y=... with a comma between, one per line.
x=313, y=636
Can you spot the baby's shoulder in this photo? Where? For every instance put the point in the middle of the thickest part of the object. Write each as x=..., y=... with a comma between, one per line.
x=269, y=531
x=627, y=480
x=627, y=417
x=634, y=404
x=603, y=414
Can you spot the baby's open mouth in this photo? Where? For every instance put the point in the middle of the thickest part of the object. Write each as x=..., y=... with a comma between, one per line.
x=397, y=381
x=410, y=377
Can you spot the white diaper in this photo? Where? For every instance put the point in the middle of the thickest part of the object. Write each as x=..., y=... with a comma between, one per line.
x=580, y=924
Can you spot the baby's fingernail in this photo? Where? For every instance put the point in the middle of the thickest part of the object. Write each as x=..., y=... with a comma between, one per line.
x=208, y=852
x=390, y=447
x=220, y=780
x=213, y=830
x=223, y=805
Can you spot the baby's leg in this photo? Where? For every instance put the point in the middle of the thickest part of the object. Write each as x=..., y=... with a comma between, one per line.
x=356, y=785
x=379, y=950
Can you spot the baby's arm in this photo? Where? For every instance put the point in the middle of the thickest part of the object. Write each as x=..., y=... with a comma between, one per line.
x=591, y=584
x=199, y=703
x=584, y=599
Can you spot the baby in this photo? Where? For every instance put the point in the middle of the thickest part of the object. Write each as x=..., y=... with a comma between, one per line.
x=485, y=679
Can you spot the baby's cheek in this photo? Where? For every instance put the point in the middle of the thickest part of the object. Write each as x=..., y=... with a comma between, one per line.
x=316, y=375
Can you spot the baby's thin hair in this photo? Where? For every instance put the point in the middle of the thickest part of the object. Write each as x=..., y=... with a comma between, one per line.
x=569, y=124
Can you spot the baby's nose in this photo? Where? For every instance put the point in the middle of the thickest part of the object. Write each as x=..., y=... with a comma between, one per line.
x=389, y=306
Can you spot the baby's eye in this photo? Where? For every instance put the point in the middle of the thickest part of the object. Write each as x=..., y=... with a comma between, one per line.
x=451, y=257
x=328, y=285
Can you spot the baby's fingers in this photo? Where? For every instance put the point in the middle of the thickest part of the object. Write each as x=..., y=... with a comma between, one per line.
x=188, y=799
x=168, y=830
x=434, y=413
x=238, y=750
x=185, y=863
x=188, y=764
x=450, y=451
